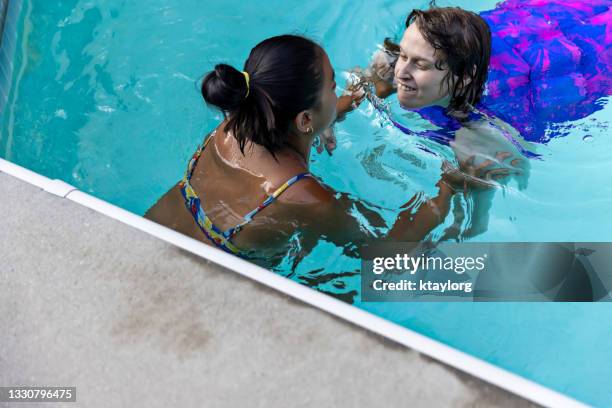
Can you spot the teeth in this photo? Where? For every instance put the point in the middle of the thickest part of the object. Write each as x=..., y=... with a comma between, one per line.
x=407, y=88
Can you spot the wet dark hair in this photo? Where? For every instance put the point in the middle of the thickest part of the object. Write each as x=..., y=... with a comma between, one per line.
x=286, y=77
x=464, y=41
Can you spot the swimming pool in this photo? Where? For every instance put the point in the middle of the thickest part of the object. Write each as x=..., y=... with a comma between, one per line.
x=105, y=98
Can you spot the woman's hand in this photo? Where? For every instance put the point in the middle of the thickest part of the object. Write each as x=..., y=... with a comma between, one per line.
x=328, y=141
x=481, y=176
x=383, y=66
x=350, y=101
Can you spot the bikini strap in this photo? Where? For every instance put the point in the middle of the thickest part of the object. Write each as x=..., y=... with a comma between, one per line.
x=247, y=218
x=194, y=159
x=189, y=194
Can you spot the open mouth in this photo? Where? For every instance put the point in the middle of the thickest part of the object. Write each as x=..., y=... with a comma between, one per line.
x=406, y=88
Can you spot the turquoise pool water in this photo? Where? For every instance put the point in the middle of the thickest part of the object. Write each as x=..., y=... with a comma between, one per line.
x=105, y=97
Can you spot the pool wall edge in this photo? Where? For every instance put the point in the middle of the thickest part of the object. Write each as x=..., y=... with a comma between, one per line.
x=9, y=9
x=453, y=357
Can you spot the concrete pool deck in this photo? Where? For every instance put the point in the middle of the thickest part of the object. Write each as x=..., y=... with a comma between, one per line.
x=131, y=320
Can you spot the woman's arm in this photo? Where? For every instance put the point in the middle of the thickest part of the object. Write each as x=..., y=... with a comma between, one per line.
x=380, y=73
x=336, y=222
x=337, y=217
x=412, y=226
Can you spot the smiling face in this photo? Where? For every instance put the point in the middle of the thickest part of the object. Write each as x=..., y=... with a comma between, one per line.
x=419, y=82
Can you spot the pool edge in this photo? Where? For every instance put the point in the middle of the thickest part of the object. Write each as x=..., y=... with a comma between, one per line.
x=439, y=351
x=8, y=10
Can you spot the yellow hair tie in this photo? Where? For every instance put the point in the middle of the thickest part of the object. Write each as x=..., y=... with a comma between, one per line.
x=246, y=78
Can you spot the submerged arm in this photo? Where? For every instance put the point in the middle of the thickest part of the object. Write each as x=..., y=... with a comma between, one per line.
x=416, y=221
x=339, y=223
x=414, y=226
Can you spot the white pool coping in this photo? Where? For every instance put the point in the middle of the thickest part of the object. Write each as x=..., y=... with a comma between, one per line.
x=453, y=357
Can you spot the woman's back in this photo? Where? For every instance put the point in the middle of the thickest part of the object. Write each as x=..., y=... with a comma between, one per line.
x=231, y=185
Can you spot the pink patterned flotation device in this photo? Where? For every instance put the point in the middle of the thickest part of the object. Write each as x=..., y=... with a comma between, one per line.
x=550, y=63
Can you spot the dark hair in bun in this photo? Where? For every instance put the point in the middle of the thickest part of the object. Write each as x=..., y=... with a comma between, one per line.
x=286, y=77
x=225, y=88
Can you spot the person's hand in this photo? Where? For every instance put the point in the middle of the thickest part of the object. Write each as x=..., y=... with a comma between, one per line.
x=383, y=65
x=328, y=141
x=350, y=101
x=481, y=176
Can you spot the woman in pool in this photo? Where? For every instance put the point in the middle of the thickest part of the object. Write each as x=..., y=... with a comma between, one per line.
x=439, y=69
x=247, y=189
x=549, y=64
x=442, y=60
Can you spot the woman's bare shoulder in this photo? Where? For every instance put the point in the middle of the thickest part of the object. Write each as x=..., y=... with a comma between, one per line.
x=307, y=191
x=170, y=211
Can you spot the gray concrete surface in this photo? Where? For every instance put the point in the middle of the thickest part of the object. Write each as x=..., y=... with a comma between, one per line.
x=132, y=321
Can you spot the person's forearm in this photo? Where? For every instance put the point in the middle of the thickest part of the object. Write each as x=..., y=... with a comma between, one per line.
x=344, y=105
x=414, y=227
x=383, y=88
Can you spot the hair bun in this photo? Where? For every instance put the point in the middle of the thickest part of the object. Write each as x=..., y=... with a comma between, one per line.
x=287, y=79
x=225, y=88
